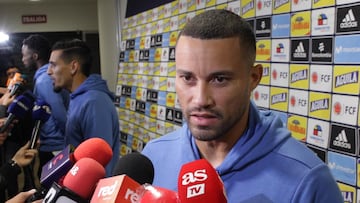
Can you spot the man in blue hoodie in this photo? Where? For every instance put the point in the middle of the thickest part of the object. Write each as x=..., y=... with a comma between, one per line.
x=35, y=55
x=91, y=112
x=254, y=155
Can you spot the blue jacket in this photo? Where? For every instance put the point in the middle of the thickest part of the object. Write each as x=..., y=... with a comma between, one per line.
x=92, y=113
x=265, y=165
x=52, y=131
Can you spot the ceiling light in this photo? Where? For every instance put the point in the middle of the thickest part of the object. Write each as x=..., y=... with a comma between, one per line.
x=3, y=37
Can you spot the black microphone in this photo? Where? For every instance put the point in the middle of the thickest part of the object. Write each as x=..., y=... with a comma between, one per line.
x=41, y=113
x=131, y=172
x=19, y=108
x=16, y=88
x=136, y=166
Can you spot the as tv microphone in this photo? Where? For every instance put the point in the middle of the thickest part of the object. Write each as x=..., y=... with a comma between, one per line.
x=199, y=182
x=79, y=183
x=136, y=166
x=41, y=113
x=19, y=108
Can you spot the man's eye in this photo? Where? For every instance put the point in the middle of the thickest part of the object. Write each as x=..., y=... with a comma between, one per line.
x=186, y=77
x=220, y=79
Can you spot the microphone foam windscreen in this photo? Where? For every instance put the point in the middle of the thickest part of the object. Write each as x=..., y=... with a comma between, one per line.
x=21, y=106
x=95, y=148
x=153, y=194
x=136, y=166
x=199, y=182
x=41, y=111
x=83, y=176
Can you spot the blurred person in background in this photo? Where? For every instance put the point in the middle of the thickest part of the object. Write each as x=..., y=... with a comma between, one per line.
x=92, y=112
x=35, y=56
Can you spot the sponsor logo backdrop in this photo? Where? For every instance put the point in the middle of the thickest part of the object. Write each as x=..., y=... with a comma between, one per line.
x=310, y=50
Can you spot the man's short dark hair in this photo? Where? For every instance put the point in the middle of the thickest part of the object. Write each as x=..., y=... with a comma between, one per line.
x=75, y=49
x=39, y=45
x=220, y=24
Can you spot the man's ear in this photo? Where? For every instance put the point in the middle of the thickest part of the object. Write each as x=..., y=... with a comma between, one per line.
x=256, y=74
x=74, y=65
x=35, y=56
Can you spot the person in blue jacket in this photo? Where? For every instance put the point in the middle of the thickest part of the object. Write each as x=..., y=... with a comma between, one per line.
x=91, y=112
x=35, y=55
x=253, y=153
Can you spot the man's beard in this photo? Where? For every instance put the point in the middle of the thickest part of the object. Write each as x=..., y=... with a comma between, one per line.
x=57, y=89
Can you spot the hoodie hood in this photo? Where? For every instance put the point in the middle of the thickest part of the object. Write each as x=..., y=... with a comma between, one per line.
x=263, y=135
x=93, y=82
x=40, y=71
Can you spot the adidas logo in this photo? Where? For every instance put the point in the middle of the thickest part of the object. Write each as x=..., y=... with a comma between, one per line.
x=321, y=47
x=342, y=141
x=349, y=20
x=300, y=51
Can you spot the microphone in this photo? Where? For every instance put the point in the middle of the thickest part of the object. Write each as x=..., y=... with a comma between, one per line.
x=199, y=182
x=41, y=113
x=16, y=84
x=136, y=166
x=131, y=171
x=152, y=194
x=15, y=89
x=79, y=183
x=95, y=148
x=57, y=167
x=119, y=188
x=18, y=109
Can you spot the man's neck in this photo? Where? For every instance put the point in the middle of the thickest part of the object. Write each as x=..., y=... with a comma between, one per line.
x=213, y=151
x=77, y=81
x=40, y=64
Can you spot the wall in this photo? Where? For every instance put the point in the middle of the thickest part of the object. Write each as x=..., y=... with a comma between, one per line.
x=60, y=17
x=310, y=51
x=110, y=14
x=87, y=16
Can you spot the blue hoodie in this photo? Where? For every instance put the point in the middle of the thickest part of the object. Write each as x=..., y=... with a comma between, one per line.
x=52, y=131
x=92, y=113
x=265, y=165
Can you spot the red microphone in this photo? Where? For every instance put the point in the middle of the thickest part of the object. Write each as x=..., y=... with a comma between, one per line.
x=119, y=188
x=79, y=183
x=95, y=148
x=153, y=194
x=199, y=182
x=86, y=172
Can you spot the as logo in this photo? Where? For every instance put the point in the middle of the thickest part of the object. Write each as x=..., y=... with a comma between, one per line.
x=194, y=177
x=190, y=177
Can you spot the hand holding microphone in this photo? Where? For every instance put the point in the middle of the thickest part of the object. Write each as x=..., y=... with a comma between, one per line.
x=18, y=109
x=41, y=113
